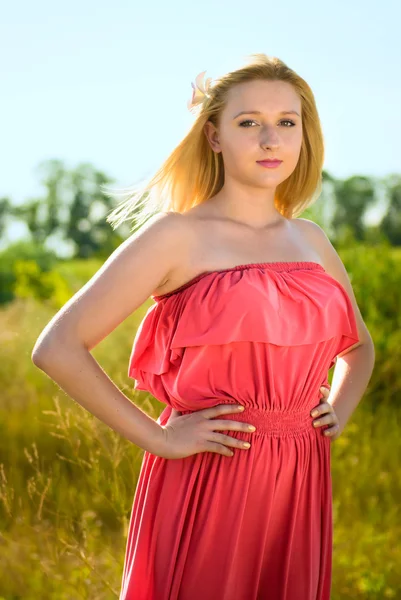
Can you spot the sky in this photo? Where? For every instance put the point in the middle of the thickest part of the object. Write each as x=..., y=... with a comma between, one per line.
x=108, y=83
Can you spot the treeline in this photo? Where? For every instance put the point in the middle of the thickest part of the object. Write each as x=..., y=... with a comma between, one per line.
x=71, y=213
x=69, y=223
x=72, y=210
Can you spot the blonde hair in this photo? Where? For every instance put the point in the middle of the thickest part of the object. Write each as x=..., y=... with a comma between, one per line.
x=193, y=172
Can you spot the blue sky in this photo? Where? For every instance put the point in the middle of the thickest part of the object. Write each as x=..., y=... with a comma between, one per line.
x=108, y=83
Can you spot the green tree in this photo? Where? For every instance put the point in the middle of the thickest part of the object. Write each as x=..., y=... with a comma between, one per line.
x=353, y=198
x=73, y=210
x=391, y=222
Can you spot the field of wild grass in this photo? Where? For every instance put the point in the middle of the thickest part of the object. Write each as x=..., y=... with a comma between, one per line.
x=67, y=481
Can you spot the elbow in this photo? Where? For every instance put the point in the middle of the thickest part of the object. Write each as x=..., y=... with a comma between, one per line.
x=44, y=351
x=50, y=350
x=37, y=359
x=40, y=359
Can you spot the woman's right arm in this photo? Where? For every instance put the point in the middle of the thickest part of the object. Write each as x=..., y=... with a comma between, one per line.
x=124, y=282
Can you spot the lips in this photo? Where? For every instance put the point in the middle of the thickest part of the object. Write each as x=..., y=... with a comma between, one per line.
x=269, y=163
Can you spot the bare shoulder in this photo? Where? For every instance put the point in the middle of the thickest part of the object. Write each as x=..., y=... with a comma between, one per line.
x=190, y=234
x=166, y=221
x=319, y=240
x=122, y=284
x=169, y=224
x=315, y=237
x=170, y=231
x=334, y=266
x=310, y=229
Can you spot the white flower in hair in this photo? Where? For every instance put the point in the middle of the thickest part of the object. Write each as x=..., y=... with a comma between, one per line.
x=200, y=90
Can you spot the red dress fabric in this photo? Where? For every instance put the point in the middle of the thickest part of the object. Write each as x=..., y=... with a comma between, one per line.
x=258, y=525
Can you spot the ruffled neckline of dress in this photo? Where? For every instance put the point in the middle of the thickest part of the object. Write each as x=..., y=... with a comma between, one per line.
x=282, y=303
x=275, y=266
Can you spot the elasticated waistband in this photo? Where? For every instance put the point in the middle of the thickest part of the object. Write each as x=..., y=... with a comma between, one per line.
x=270, y=422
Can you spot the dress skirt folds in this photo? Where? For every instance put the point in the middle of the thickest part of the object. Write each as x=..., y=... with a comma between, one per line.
x=257, y=525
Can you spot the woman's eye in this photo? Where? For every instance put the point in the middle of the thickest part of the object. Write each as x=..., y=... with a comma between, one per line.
x=252, y=121
x=247, y=121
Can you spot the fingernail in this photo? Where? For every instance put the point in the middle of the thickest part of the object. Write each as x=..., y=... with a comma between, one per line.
x=241, y=407
x=314, y=413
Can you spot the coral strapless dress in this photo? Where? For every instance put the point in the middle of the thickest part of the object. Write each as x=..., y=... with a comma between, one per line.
x=258, y=525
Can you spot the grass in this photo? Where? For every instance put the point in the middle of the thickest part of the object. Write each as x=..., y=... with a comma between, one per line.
x=67, y=481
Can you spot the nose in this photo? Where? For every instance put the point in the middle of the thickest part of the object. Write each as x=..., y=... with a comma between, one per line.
x=269, y=138
x=270, y=143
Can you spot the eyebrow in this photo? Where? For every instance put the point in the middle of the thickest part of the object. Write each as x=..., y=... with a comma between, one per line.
x=257, y=112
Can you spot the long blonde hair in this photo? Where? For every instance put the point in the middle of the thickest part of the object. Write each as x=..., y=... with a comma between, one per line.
x=193, y=172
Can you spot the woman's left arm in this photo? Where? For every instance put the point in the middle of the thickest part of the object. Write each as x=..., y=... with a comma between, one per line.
x=353, y=368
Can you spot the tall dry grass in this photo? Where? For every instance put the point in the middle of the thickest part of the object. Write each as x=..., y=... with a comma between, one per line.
x=67, y=481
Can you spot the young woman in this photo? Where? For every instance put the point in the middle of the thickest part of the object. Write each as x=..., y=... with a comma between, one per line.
x=252, y=306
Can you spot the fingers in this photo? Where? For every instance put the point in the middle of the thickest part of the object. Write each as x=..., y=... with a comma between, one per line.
x=323, y=407
x=325, y=420
x=231, y=425
x=227, y=440
x=333, y=430
x=330, y=422
x=325, y=391
x=218, y=449
x=222, y=443
x=221, y=409
x=324, y=415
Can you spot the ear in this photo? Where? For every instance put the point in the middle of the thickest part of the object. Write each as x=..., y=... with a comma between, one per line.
x=212, y=136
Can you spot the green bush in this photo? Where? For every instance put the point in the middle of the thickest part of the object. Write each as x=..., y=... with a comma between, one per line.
x=15, y=253
x=31, y=282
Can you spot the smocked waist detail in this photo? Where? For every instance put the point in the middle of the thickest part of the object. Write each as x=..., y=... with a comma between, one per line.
x=272, y=422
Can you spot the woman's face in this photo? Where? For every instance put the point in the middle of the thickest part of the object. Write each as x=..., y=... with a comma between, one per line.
x=247, y=138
